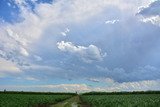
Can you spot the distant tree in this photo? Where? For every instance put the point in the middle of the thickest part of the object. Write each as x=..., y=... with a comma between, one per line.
x=4, y=90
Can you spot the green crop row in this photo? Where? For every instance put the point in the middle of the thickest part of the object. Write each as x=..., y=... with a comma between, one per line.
x=137, y=100
x=29, y=100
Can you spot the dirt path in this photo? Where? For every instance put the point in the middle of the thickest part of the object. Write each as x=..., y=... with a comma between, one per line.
x=72, y=102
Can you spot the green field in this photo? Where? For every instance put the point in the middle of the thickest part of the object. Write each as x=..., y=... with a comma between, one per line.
x=130, y=100
x=91, y=99
x=31, y=99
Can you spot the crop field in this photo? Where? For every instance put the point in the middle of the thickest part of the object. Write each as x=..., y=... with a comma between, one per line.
x=90, y=99
x=134, y=100
x=30, y=99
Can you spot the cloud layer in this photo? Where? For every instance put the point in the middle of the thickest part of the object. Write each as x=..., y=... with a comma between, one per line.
x=128, y=86
x=79, y=44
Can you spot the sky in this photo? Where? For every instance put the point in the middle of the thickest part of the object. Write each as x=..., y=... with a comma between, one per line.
x=79, y=45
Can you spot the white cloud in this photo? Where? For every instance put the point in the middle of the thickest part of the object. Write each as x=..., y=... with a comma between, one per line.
x=111, y=85
x=151, y=9
x=154, y=20
x=13, y=46
x=33, y=25
x=111, y=21
x=64, y=11
x=9, y=4
x=93, y=80
x=31, y=79
x=67, y=30
x=14, y=36
x=17, y=40
x=24, y=52
x=88, y=54
x=19, y=1
x=54, y=88
x=126, y=86
x=137, y=86
x=8, y=67
x=63, y=34
x=150, y=13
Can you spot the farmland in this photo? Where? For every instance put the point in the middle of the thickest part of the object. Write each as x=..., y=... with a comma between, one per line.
x=16, y=99
x=122, y=100
x=91, y=99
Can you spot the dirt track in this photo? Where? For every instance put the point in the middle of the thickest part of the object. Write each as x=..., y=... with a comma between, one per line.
x=72, y=102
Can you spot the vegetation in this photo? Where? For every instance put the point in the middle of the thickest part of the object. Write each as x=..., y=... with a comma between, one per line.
x=94, y=99
x=38, y=93
x=121, y=93
x=122, y=99
x=31, y=99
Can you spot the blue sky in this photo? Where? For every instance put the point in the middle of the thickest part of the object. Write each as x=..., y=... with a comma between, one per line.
x=79, y=45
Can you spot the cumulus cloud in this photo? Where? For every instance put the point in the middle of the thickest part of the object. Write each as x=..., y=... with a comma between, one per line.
x=151, y=13
x=88, y=54
x=45, y=15
x=18, y=38
x=71, y=11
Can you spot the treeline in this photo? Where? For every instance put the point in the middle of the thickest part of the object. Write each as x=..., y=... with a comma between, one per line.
x=121, y=93
x=38, y=93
